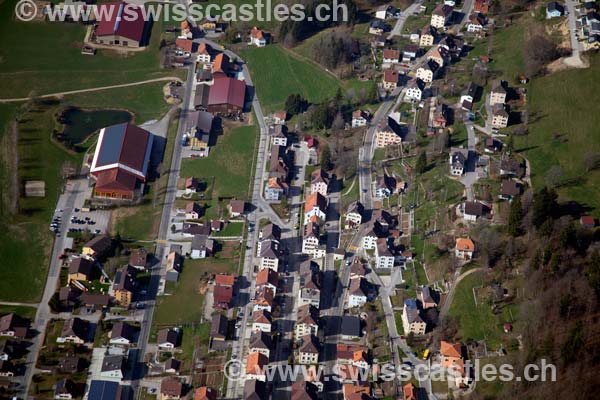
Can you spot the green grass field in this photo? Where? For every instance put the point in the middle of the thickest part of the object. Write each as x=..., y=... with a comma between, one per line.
x=475, y=323
x=229, y=163
x=563, y=128
x=46, y=57
x=276, y=74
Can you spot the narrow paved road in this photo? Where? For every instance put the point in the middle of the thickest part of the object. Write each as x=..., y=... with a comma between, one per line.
x=57, y=94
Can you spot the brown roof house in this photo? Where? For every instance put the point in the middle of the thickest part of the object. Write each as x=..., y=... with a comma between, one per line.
x=14, y=326
x=171, y=389
x=236, y=207
x=75, y=330
x=98, y=247
x=167, y=339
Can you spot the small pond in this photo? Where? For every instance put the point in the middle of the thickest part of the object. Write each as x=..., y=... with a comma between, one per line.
x=79, y=124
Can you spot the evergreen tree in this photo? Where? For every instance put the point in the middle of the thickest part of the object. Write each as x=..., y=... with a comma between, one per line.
x=515, y=217
x=326, y=163
x=421, y=164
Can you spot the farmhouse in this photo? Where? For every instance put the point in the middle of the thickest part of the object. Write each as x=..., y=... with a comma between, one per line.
x=120, y=24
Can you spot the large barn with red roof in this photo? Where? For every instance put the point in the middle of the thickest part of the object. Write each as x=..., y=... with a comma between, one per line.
x=120, y=24
x=121, y=160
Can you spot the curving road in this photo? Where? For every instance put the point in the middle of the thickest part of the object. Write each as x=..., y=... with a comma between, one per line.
x=122, y=85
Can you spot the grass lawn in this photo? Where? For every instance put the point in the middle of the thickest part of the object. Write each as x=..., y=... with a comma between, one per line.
x=507, y=49
x=24, y=312
x=277, y=74
x=232, y=229
x=229, y=163
x=46, y=57
x=477, y=323
x=186, y=303
x=563, y=128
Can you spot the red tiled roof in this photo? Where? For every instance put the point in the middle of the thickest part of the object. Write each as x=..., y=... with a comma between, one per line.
x=121, y=19
x=223, y=279
x=115, y=180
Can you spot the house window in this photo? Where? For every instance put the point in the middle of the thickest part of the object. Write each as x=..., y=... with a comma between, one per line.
x=125, y=43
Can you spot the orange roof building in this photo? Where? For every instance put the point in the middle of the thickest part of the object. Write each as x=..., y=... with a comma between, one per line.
x=205, y=393
x=224, y=280
x=465, y=244
x=256, y=363
x=409, y=392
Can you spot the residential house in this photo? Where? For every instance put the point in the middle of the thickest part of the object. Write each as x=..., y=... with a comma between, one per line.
x=409, y=392
x=81, y=269
x=414, y=90
x=14, y=326
x=311, y=239
x=499, y=116
x=476, y=23
x=492, y=145
x=192, y=229
x=350, y=328
x=279, y=117
x=276, y=189
x=473, y=210
x=498, y=93
x=453, y=360
x=378, y=27
x=384, y=186
x=65, y=390
x=390, y=79
x=69, y=296
x=205, y=393
x=95, y=300
x=425, y=298
x=223, y=291
x=369, y=240
x=428, y=72
x=256, y=365
x=185, y=47
x=354, y=215
x=124, y=286
x=261, y=321
x=315, y=206
x=458, y=161
x=358, y=294
x=554, y=10
x=391, y=57
x=510, y=168
x=202, y=247
x=270, y=254
x=387, y=134
x=258, y=37
x=307, y=321
x=278, y=163
x=167, y=339
x=263, y=299
x=510, y=189
x=440, y=55
x=384, y=257
x=219, y=327
x=411, y=320
x=360, y=118
x=173, y=268
x=409, y=53
x=464, y=248
x=441, y=15
x=255, y=390
x=8, y=349
x=278, y=137
x=170, y=389
x=357, y=269
x=587, y=221
x=310, y=286
x=193, y=210
x=308, y=352
x=113, y=367
x=172, y=366
x=236, y=207
x=75, y=330
x=439, y=117
x=98, y=247
x=123, y=333
x=427, y=37
x=383, y=12
x=319, y=182
x=268, y=232
x=482, y=6
x=203, y=53
x=202, y=125
x=105, y=390
x=260, y=342
x=306, y=389
x=267, y=278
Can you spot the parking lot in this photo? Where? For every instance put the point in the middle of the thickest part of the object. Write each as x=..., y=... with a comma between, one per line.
x=96, y=221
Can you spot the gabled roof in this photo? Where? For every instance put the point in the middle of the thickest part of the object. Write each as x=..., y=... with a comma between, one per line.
x=255, y=390
x=448, y=349
x=227, y=90
x=391, y=76
x=260, y=340
x=123, y=146
x=270, y=249
x=76, y=327
x=310, y=344
x=167, y=336
x=256, y=363
x=261, y=317
x=81, y=265
x=171, y=387
x=124, y=330
x=100, y=244
x=315, y=200
x=270, y=231
x=266, y=276
x=122, y=19
x=308, y=314
x=224, y=279
x=465, y=244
